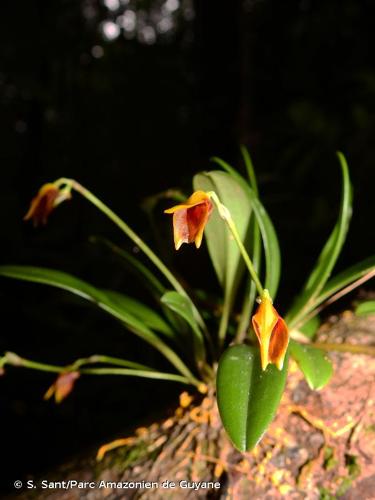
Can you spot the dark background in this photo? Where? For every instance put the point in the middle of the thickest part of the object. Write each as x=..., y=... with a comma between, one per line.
x=294, y=81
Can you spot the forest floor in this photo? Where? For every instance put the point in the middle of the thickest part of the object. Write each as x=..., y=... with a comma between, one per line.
x=321, y=444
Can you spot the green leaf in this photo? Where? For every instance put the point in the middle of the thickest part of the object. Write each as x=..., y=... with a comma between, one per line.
x=365, y=308
x=182, y=306
x=310, y=328
x=328, y=257
x=313, y=363
x=340, y=285
x=142, y=312
x=134, y=264
x=360, y=272
x=255, y=250
x=223, y=250
x=247, y=396
x=250, y=169
x=156, y=375
x=269, y=237
x=79, y=287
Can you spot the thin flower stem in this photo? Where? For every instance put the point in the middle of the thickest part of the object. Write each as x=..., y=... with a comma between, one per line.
x=226, y=216
x=135, y=238
x=250, y=294
x=99, y=358
x=15, y=360
x=136, y=373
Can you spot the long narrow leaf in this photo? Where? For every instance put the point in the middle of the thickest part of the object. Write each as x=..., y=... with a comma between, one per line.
x=359, y=272
x=135, y=265
x=328, y=256
x=250, y=169
x=147, y=277
x=182, y=306
x=142, y=312
x=340, y=285
x=79, y=287
x=256, y=248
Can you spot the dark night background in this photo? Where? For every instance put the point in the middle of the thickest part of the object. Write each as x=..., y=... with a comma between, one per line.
x=132, y=116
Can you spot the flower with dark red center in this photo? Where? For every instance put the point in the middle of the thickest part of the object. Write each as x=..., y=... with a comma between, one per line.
x=48, y=197
x=62, y=387
x=190, y=219
x=272, y=333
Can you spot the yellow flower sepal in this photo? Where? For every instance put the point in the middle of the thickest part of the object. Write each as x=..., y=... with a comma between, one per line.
x=272, y=333
x=190, y=219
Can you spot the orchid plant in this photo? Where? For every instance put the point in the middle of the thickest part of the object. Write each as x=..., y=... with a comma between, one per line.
x=248, y=368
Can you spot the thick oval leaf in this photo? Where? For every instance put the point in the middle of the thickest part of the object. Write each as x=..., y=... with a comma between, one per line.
x=365, y=308
x=328, y=256
x=314, y=364
x=79, y=287
x=247, y=396
x=182, y=306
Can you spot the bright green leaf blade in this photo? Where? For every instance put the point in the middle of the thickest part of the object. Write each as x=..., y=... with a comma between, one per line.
x=182, y=306
x=269, y=236
x=142, y=312
x=247, y=397
x=223, y=250
x=365, y=308
x=313, y=363
x=310, y=328
x=328, y=257
x=79, y=287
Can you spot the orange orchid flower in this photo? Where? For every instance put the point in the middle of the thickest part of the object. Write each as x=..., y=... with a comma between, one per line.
x=272, y=333
x=190, y=219
x=62, y=386
x=48, y=197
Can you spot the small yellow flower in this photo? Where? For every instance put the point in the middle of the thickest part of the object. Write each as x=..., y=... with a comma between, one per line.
x=62, y=386
x=190, y=219
x=48, y=197
x=272, y=333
